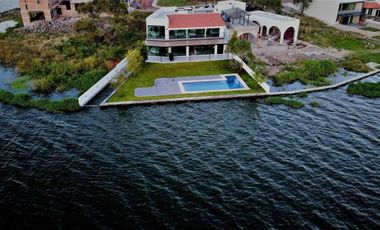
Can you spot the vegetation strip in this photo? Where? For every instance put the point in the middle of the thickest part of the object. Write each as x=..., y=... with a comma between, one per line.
x=283, y=101
x=366, y=89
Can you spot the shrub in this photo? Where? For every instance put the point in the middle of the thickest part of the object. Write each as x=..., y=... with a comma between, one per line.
x=307, y=72
x=302, y=95
x=85, y=25
x=24, y=100
x=315, y=104
x=283, y=101
x=365, y=89
x=355, y=64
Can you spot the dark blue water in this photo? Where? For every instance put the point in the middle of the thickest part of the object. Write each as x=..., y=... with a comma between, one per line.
x=231, y=164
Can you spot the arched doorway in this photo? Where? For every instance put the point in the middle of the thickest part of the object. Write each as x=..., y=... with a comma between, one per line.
x=274, y=33
x=248, y=36
x=264, y=31
x=289, y=35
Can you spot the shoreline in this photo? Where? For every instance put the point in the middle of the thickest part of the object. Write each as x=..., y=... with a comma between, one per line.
x=236, y=96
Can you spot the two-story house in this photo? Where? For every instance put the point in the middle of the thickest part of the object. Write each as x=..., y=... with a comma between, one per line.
x=185, y=32
x=337, y=11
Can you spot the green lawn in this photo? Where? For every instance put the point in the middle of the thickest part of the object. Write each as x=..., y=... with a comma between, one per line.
x=370, y=29
x=321, y=34
x=152, y=71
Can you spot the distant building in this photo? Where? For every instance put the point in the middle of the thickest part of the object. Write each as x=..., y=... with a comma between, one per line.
x=372, y=8
x=47, y=10
x=337, y=11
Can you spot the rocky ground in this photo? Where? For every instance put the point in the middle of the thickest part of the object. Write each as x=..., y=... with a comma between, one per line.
x=276, y=55
x=60, y=25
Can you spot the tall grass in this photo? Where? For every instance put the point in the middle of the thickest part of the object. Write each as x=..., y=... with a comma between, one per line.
x=310, y=72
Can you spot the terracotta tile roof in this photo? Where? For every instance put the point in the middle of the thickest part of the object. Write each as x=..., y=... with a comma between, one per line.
x=195, y=20
x=371, y=5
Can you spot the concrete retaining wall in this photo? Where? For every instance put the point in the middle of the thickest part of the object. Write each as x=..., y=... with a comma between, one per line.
x=102, y=83
x=263, y=85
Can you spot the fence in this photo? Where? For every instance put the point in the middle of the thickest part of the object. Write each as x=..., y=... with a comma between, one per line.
x=264, y=85
x=102, y=83
x=191, y=58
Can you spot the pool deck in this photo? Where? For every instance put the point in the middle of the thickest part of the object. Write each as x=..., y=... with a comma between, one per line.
x=237, y=96
x=170, y=86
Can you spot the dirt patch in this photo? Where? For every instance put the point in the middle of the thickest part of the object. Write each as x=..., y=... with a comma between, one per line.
x=277, y=55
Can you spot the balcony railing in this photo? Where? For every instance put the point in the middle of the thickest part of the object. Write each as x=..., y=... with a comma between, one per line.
x=350, y=12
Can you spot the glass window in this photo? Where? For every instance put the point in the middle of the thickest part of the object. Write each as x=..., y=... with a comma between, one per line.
x=157, y=51
x=177, y=34
x=212, y=33
x=196, y=33
x=202, y=50
x=179, y=51
x=156, y=32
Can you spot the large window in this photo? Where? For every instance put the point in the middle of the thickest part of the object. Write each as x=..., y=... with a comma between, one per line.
x=196, y=33
x=202, y=50
x=179, y=51
x=177, y=34
x=157, y=51
x=156, y=32
x=212, y=33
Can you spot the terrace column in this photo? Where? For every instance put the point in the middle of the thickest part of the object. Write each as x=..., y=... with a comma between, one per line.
x=216, y=49
x=187, y=51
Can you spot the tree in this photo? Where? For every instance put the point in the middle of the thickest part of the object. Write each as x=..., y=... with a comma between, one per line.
x=264, y=4
x=239, y=47
x=118, y=8
x=303, y=4
x=135, y=61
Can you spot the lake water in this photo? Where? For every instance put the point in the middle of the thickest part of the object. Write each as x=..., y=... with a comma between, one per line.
x=228, y=164
x=8, y=5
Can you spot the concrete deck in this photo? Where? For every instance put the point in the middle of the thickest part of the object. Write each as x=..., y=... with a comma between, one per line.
x=170, y=86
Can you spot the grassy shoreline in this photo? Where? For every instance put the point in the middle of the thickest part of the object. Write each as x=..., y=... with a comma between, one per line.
x=146, y=79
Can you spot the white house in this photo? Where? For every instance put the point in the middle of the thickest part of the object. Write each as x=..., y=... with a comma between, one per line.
x=372, y=8
x=337, y=11
x=282, y=27
x=185, y=32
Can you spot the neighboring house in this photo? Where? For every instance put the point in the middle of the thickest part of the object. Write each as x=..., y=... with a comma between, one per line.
x=185, y=32
x=372, y=8
x=337, y=11
x=47, y=10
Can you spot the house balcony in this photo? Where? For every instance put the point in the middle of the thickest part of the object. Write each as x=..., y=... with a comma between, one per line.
x=347, y=13
x=185, y=42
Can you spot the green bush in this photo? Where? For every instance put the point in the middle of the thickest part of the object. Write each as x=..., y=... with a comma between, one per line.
x=307, y=72
x=366, y=89
x=302, y=95
x=25, y=101
x=86, y=24
x=283, y=101
x=355, y=64
x=314, y=104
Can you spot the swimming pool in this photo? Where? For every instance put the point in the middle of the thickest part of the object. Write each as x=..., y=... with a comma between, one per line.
x=226, y=83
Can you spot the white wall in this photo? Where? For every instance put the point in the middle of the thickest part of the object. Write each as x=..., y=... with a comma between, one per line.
x=225, y=5
x=325, y=10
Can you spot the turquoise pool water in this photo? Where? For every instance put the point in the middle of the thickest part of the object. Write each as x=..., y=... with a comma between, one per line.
x=230, y=83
